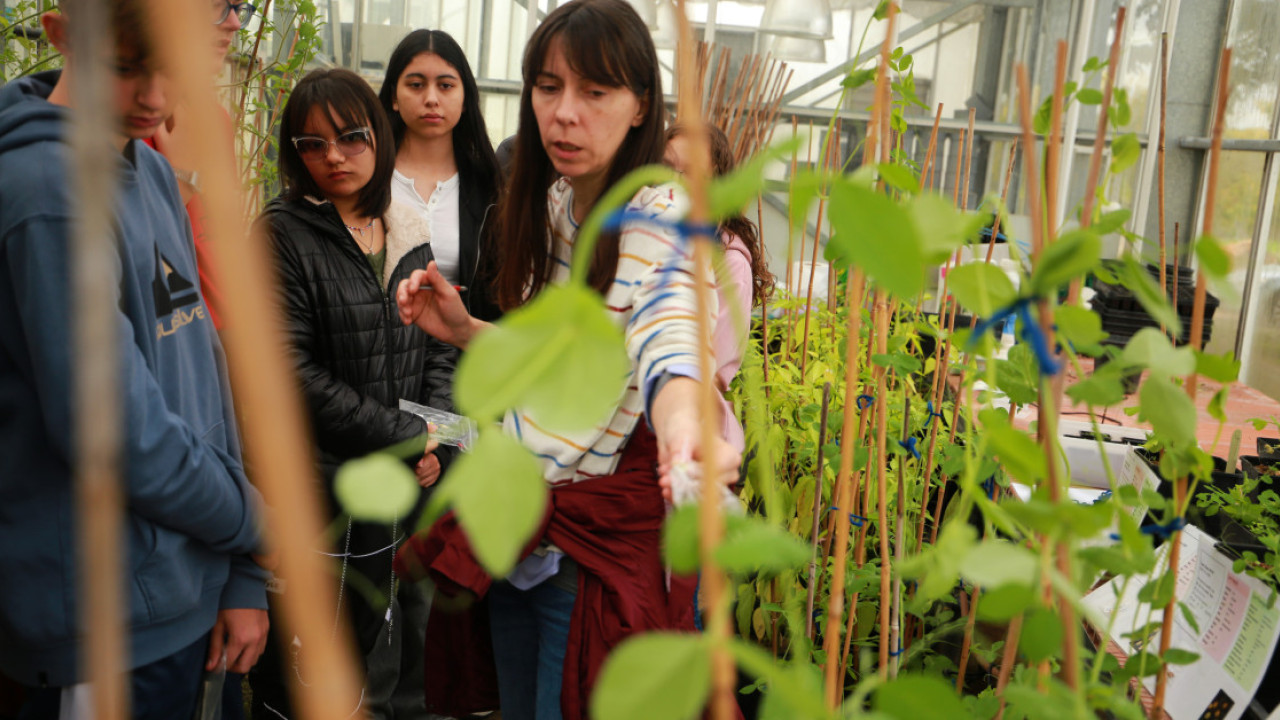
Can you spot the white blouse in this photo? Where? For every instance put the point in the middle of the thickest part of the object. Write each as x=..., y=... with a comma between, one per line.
x=441, y=214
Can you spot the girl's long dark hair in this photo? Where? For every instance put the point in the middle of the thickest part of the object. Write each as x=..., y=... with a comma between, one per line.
x=722, y=163
x=606, y=42
x=351, y=101
x=472, y=148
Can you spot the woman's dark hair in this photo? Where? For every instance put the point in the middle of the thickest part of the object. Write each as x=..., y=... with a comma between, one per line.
x=606, y=42
x=472, y=149
x=722, y=163
x=351, y=101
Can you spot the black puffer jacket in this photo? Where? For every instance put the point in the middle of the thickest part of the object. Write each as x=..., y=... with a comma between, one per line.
x=355, y=359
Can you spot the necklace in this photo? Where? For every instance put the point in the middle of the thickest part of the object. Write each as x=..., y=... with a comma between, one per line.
x=359, y=231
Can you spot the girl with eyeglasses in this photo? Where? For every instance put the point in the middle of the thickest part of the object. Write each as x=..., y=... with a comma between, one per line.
x=341, y=245
x=591, y=111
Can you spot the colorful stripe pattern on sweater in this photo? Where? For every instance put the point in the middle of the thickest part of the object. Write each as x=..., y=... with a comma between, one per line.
x=651, y=299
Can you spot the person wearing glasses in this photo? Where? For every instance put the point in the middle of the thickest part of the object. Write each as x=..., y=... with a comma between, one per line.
x=174, y=141
x=341, y=245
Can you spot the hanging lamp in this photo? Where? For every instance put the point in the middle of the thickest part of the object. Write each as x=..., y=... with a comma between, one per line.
x=798, y=18
x=798, y=49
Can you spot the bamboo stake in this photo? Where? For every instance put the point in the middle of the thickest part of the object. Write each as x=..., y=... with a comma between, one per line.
x=968, y=160
x=813, y=269
x=1053, y=145
x=710, y=519
x=926, y=179
x=1176, y=268
x=276, y=442
x=843, y=496
x=791, y=245
x=772, y=124
x=1197, y=336
x=900, y=547
x=880, y=322
x=764, y=309
x=1160, y=149
x=861, y=499
x=817, y=511
x=835, y=162
x=955, y=185
x=1008, y=659
x=99, y=496
x=747, y=131
x=1095, y=161
x=770, y=113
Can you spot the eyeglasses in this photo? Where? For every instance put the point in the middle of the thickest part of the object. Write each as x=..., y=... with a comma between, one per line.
x=350, y=143
x=243, y=10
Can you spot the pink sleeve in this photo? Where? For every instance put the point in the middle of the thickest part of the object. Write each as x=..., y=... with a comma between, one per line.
x=733, y=324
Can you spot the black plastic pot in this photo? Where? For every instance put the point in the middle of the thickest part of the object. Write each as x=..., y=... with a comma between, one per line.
x=1269, y=449
x=1231, y=535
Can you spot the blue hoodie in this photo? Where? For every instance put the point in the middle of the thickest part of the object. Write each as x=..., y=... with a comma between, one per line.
x=191, y=515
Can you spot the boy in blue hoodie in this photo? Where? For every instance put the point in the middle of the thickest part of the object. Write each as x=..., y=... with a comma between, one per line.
x=191, y=514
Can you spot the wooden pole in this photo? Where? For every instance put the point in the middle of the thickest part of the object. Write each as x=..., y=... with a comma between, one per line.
x=1100, y=141
x=276, y=441
x=99, y=496
x=817, y=511
x=926, y=182
x=710, y=519
x=1197, y=335
x=1160, y=150
x=843, y=495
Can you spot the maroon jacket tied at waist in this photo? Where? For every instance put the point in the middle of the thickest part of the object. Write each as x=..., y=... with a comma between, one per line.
x=611, y=527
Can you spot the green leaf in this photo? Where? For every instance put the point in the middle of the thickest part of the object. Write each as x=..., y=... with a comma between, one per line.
x=1158, y=592
x=498, y=493
x=806, y=186
x=857, y=78
x=1214, y=259
x=1018, y=453
x=1042, y=122
x=795, y=690
x=1089, y=96
x=1098, y=391
x=1080, y=327
x=900, y=362
x=1190, y=617
x=680, y=539
x=941, y=227
x=657, y=676
x=898, y=177
x=1125, y=151
x=1217, y=407
x=1110, y=222
x=863, y=221
x=1074, y=254
x=994, y=563
x=1178, y=656
x=376, y=488
x=982, y=288
x=1147, y=291
x=1094, y=63
x=561, y=345
x=1121, y=113
x=727, y=195
x=1001, y=604
x=918, y=697
x=1041, y=635
x=754, y=545
x=1171, y=413
x=1149, y=348
x=1222, y=368
x=745, y=608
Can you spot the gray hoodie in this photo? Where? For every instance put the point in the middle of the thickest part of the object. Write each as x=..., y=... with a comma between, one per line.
x=191, y=515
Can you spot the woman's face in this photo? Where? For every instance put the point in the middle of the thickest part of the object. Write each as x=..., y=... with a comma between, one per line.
x=429, y=96
x=582, y=123
x=347, y=162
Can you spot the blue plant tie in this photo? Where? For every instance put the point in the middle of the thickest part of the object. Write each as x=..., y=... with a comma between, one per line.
x=854, y=520
x=932, y=414
x=989, y=486
x=910, y=446
x=1165, y=531
x=896, y=653
x=1029, y=333
x=1104, y=497
x=865, y=401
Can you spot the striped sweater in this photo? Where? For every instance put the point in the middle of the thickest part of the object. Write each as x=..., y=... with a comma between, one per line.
x=651, y=299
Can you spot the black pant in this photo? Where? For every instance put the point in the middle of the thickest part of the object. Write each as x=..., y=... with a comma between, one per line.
x=162, y=690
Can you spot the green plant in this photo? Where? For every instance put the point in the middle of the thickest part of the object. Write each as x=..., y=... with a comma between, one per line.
x=23, y=49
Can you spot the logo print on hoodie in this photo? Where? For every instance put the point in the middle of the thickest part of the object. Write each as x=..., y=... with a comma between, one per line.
x=173, y=292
